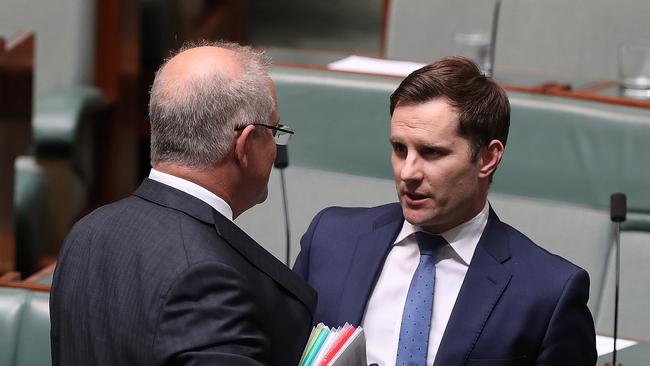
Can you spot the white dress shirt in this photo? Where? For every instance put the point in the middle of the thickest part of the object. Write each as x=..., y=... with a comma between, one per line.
x=383, y=315
x=193, y=189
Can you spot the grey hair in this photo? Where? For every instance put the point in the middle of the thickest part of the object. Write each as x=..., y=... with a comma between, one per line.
x=193, y=122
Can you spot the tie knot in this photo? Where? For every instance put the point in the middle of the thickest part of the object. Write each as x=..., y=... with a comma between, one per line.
x=429, y=244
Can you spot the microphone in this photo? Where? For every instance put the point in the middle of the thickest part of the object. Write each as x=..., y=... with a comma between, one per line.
x=618, y=207
x=617, y=211
x=489, y=70
x=280, y=163
x=281, y=157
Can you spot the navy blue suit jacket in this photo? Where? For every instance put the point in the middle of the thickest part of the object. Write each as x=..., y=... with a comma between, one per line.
x=518, y=305
x=160, y=278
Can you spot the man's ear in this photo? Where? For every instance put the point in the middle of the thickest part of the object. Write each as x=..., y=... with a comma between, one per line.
x=243, y=144
x=490, y=158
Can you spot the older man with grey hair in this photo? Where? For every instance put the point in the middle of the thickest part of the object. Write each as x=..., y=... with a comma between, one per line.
x=164, y=277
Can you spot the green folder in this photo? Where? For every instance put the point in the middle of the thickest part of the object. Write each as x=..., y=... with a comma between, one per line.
x=318, y=343
x=310, y=342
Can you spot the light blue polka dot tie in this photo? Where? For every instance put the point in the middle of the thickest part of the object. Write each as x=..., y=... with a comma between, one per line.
x=416, y=321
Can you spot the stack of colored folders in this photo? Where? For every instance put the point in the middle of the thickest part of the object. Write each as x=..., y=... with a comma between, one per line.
x=343, y=346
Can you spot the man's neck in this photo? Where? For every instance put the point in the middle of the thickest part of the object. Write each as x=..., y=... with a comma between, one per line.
x=218, y=180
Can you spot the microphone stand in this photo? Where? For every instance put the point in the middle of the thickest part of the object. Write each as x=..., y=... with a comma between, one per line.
x=489, y=70
x=617, y=237
x=618, y=210
x=281, y=162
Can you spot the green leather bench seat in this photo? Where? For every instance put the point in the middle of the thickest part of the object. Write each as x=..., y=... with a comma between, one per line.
x=559, y=149
x=575, y=151
x=340, y=119
x=563, y=159
x=24, y=327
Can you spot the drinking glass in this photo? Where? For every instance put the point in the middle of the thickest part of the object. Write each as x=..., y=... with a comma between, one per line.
x=634, y=69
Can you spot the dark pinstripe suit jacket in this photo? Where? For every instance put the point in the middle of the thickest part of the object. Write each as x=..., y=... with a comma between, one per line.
x=160, y=278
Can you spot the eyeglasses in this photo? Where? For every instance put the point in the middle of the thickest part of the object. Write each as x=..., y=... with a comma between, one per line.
x=281, y=133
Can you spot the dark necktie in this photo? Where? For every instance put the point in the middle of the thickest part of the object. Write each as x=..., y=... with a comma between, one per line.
x=416, y=321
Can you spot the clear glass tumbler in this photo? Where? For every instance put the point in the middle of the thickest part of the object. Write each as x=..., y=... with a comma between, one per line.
x=634, y=69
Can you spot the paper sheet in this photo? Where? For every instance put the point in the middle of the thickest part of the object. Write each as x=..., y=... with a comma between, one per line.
x=605, y=345
x=375, y=66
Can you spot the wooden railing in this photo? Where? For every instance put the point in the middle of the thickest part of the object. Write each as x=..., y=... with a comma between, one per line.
x=34, y=282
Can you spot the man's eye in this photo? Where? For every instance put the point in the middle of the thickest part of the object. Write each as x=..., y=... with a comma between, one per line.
x=398, y=148
x=430, y=152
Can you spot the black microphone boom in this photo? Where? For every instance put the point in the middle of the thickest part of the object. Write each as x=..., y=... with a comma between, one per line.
x=618, y=207
x=618, y=210
x=281, y=162
x=281, y=157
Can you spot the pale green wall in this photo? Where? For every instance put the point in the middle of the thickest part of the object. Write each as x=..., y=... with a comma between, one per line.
x=563, y=39
x=65, y=36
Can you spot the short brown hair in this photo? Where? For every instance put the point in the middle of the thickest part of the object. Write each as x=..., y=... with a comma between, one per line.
x=482, y=105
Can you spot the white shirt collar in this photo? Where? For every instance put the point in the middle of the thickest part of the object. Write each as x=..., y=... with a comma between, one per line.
x=463, y=238
x=193, y=189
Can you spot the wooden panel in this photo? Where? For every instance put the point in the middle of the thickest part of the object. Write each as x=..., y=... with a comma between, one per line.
x=385, y=9
x=26, y=286
x=16, y=80
x=117, y=73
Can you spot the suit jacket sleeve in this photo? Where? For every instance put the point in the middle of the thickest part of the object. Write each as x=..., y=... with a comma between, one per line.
x=570, y=337
x=208, y=318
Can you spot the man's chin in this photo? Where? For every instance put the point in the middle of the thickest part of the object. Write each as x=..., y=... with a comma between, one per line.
x=418, y=217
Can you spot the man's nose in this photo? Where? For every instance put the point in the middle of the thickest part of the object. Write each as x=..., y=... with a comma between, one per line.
x=411, y=170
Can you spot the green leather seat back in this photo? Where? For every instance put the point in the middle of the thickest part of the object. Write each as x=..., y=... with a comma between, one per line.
x=12, y=302
x=559, y=149
x=574, y=151
x=30, y=205
x=341, y=120
x=24, y=327
x=33, y=347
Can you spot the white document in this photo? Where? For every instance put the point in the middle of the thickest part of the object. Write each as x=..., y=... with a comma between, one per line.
x=375, y=66
x=331, y=339
x=605, y=345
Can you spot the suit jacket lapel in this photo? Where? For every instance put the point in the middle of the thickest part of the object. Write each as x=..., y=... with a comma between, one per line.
x=367, y=260
x=485, y=281
x=265, y=261
x=167, y=196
